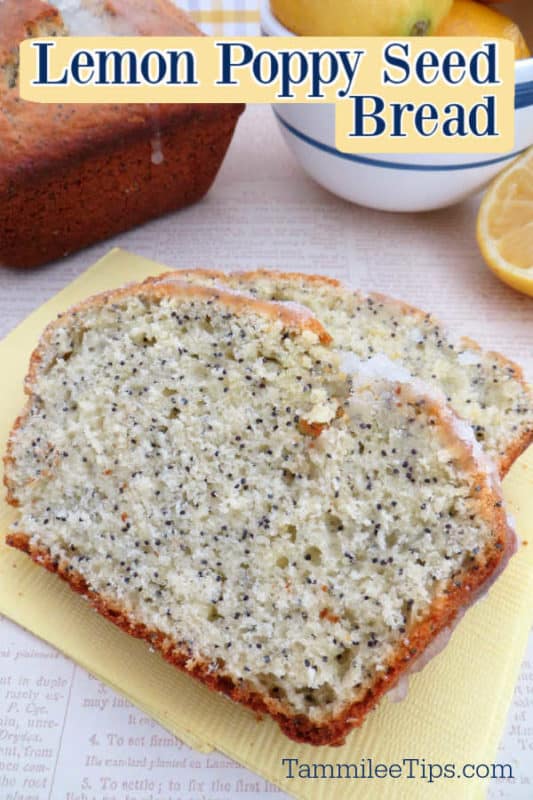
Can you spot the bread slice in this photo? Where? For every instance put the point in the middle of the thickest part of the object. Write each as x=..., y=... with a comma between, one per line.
x=291, y=530
x=484, y=388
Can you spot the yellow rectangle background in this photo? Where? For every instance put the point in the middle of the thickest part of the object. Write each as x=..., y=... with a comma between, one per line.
x=271, y=51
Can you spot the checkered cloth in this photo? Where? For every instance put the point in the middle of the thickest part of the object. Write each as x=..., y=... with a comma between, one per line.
x=224, y=17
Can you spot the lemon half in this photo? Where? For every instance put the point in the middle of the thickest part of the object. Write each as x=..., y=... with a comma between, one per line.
x=505, y=225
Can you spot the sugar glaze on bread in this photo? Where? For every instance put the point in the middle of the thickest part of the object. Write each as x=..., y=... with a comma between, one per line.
x=484, y=388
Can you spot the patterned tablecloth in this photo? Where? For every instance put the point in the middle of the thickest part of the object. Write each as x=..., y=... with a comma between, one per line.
x=225, y=17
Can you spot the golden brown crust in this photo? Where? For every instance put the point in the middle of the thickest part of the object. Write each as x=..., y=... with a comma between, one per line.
x=287, y=315
x=514, y=451
x=297, y=727
x=38, y=224
x=291, y=318
x=522, y=442
x=253, y=275
x=515, y=448
x=247, y=277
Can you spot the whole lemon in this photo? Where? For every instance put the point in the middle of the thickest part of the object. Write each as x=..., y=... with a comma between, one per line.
x=361, y=17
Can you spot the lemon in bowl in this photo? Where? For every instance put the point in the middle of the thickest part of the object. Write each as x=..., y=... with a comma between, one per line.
x=472, y=18
x=361, y=17
x=395, y=181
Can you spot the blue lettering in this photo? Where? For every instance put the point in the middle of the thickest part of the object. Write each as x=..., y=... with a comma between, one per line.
x=397, y=61
x=42, y=65
x=483, y=111
x=147, y=68
x=398, y=110
x=290, y=77
x=453, y=61
x=426, y=67
x=229, y=62
x=484, y=58
x=455, y=125
x=82, y=60
x=320, y=76
x=268, y=60
x=361, y=115
x=427, y=112
x=290, y=762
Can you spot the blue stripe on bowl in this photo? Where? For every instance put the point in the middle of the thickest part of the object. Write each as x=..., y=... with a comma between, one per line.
x=378, y=162
x=524, y=95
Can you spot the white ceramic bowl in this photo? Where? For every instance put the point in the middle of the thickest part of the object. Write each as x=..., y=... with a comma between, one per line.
x=395, y=182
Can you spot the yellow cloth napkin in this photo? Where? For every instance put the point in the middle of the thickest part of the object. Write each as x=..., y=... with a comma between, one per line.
x=455, y=709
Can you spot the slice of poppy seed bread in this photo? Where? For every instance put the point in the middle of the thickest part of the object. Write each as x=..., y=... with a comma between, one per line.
x=202, y=468
x=484, y=388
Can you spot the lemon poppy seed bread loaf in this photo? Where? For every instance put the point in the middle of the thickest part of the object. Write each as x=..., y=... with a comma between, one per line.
x=71, y=175
x=286, y=525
